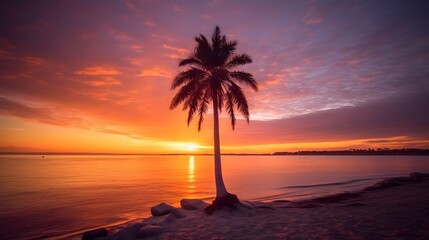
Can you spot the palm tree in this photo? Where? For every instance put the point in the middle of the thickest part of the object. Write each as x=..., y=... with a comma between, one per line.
x=212, y=78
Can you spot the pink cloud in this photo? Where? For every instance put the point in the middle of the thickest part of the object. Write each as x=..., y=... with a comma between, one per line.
x=102, y=81
x=173, y=56
x=149, y=23
x=176, y=49
x=155, y=72
x=314, y=14
x=98, y=71
x=177, y=8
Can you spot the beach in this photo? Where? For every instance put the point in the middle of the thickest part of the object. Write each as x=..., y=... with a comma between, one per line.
x=395, y=208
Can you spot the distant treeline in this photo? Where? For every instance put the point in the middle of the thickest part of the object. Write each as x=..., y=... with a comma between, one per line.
x=379, y=151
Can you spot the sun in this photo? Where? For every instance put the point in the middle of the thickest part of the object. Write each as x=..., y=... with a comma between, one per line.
x=192, y=147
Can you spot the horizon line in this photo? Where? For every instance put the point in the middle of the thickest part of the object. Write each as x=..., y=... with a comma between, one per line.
x=422, y=151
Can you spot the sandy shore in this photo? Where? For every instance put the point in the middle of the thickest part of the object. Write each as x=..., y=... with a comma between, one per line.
x=394, y=209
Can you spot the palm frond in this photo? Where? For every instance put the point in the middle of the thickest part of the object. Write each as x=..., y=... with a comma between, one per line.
x=204, y=104
x=204, y=51
x=195, y=94
x=221, y=97
x=237, y=60
x=240, y=99
x=216, y=39
x=191, y=61
x=230, y=108
x=193, y=106
x=187, y=76
x=192, y=103
x=184, y=93
x=246, y=78
x=228, y=50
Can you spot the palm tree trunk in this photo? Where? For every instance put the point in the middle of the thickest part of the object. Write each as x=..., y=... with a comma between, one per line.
x=220, y=185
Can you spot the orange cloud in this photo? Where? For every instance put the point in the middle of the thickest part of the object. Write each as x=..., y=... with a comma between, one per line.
x=155, y=72
x=180, y=50
x=35, y=61
x=105, y=81
x=98, y=71
x=173, y=56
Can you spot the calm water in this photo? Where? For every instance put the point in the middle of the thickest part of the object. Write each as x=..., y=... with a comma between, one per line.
x=59, y=195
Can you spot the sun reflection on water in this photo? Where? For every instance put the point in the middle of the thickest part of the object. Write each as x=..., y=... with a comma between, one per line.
x=191, y=174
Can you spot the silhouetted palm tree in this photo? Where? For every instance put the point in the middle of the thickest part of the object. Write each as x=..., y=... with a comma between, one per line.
x=212, y=78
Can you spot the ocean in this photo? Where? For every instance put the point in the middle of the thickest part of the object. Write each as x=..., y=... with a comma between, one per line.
x=55, y=196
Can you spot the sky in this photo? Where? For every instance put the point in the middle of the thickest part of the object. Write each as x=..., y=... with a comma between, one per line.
x=95, y=76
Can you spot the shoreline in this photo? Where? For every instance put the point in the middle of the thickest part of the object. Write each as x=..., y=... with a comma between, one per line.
x=392, y=208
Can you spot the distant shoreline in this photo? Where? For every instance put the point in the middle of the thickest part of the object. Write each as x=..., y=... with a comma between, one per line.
x=362, y=152
x=351, y=152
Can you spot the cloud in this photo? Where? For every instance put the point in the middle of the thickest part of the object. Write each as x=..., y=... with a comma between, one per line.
x=149, y=23
x=176, y=49
x=155, y=72
x=402, y=115
x=102, y=81
x=13, y=108
x=64, y=118
x=98, y=71
x=177, y=8
x=173, y=56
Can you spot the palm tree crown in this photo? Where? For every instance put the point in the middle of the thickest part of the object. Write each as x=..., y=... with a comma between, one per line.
x=211, y=78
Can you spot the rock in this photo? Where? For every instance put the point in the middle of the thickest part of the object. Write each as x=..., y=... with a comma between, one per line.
x=193, y=204
x=149, y=231
x=161, y=209
x=177, y=213
x=93, y=234
x=418, y=176
x=161, y=220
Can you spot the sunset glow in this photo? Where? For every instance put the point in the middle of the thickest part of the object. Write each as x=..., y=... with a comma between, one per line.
x=96, y=77
x=192, y=147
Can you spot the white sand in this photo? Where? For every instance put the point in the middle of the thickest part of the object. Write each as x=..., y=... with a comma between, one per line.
x=399, y=212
